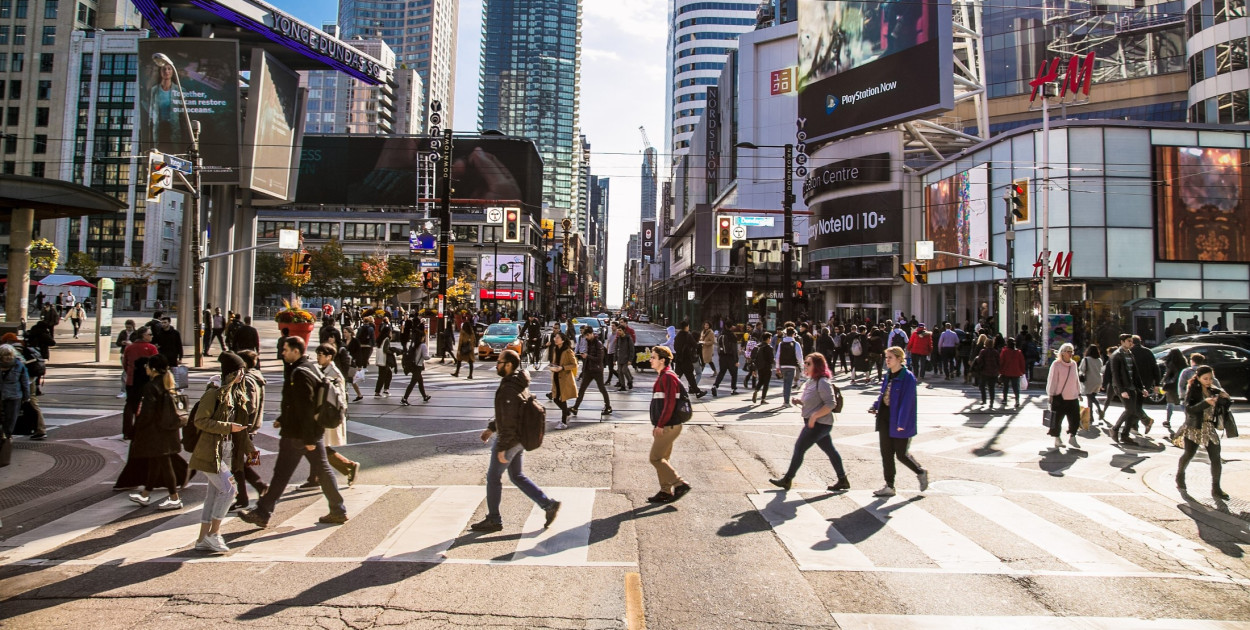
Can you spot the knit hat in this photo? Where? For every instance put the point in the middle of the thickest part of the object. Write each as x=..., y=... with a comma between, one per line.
x=230, y=363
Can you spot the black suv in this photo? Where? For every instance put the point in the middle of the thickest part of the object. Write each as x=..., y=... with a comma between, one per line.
x=1228, y=338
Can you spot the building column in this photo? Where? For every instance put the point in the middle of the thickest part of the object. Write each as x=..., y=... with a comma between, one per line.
x=17, y=294
x=243, y=286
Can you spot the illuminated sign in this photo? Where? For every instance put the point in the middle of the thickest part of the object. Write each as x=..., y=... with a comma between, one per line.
x=1080, y=75
x=323, y=44
x=782, y=81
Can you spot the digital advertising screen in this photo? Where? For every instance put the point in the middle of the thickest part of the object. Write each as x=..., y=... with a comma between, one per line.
x=382, y=171
x=504, y=268
x=1201, y=212
x=957, y=217
x=272, y=125
x=866, y=64
x=856, y=220
x=208, y=70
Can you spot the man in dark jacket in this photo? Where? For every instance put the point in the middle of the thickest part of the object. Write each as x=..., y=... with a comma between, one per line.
x=727, y=357
x=300, y=437
x=1148, y=369
x=592, y=370
x=685, y=349
x=625, y=353
x=763, y=361
x=1127, y=379
x=506, y=451
x=246, y=337
x=169, y=342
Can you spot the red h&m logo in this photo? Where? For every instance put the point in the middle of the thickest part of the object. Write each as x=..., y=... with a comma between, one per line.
x=1080, y=74
x=782, y=81
x=1062, y=267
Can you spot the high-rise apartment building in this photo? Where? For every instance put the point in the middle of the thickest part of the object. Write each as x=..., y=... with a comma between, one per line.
x=529, y=87
x=649, y=184
x=338, y=103
x=699, y=35
x=422, y=33
x=1217, y=61
x=600, y=189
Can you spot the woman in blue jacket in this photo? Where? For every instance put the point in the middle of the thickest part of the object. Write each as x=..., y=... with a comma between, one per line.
x=896, y=421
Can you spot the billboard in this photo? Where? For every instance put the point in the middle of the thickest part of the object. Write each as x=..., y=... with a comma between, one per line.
x=383, y=170
x=648, y=239
x=502, y=268
x=1201, y=210
x=866, y=64
x=208, y=70
x=272, y=126
x=957, y=217
x=857, y=220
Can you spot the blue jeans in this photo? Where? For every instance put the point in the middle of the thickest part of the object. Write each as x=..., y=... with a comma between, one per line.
x=787, y=381
x=819, y=436
x=220, y=487
x=494, y=481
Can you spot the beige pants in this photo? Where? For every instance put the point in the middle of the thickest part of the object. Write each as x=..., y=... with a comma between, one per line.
x=661, y=451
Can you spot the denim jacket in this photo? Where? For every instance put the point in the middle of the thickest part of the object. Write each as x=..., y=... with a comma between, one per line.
x=14, y=382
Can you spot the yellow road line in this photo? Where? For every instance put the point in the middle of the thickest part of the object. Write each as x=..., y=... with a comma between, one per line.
x=635, y=617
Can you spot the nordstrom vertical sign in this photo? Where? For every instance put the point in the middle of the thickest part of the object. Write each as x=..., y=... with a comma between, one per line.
x=711, y=115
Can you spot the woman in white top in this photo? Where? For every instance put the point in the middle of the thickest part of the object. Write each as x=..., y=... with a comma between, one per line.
x=1090, y=374
x=338, y=435
x=1063, y=385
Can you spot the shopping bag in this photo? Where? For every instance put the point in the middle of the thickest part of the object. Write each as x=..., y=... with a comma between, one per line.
x=359, y=378
x=1047, y=417
x=1024, y=382
x=181, y=380
x=1086, y=418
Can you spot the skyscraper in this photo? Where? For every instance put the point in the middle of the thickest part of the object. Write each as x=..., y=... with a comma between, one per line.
x=648, y=184
x=423, y=35
x=698, y=38
x=531, y=63
x=341, y=104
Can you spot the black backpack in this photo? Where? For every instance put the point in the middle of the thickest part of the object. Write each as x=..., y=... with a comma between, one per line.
x=533, y=423
x=683, y=412
x=328, y=408
x=837, y=399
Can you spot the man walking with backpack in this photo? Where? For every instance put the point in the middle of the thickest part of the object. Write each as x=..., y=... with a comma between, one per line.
x=301, y=436
x=592, y=370
x=511, y=400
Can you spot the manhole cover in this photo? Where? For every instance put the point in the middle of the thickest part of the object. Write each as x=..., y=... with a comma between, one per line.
x=960, y=487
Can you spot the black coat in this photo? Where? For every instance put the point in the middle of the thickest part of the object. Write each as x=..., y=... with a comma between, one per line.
x=150, y=440
x=246, y=338
x=1120, y=377
x=296, y=415
x=684, y=351
x=1146, y=366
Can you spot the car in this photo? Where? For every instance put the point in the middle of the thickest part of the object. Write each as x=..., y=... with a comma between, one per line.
x=1231, y=365
x=499, y=337
x=645, y=338
x=644, y=319
x=593, y=322
x=1230, y=338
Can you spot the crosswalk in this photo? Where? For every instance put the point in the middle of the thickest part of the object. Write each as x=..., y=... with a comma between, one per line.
x=435, y=531
x=982, y=534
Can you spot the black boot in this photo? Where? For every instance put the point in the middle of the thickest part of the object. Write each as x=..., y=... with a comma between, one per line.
x=1218, y=494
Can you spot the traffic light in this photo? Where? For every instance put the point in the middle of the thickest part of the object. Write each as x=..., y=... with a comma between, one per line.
x=724, y=232
x=909, y=273
x=160, y=177
x=512, y=225
x=428, y=282
x=798, y=289
x=305, y=263
x=1020, y=200
x=922, y=273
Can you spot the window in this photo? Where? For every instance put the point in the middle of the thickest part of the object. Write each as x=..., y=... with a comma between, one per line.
x=464, y=233
x=165, y=255
x=322, y=230
x=50, y=9
x=1, y=90
x=15, y=89
x=6, y=8
x=41, y=143
x=11, y=115
x=45, y=91
x=10, y=143
x=86, y=14
x=18, y=63
x=19, y=35
x=363, y=231
x=42, y=115
x=21, y=7
x=10, y=168
x=46, y=62
x=37, y=169
x=49, y=36
x=4, y=35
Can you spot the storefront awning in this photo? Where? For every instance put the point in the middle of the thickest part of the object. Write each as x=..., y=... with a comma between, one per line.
x=1217, y=306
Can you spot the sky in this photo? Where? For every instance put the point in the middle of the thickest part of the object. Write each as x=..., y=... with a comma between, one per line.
x=623, y=59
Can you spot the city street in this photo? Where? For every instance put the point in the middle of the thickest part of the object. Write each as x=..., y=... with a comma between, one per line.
x=1011, y=530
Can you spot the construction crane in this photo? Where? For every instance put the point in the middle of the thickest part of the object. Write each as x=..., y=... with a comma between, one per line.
x=646, y=144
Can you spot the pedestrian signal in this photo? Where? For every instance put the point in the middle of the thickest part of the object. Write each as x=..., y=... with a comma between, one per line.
x=724, y=232
x=909, y=273
x=922, y=273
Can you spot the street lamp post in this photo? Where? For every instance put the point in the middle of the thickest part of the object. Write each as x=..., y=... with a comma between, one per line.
x=192, y=226
x=787, y=206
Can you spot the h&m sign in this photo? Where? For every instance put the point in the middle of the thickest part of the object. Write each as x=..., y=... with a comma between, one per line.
x=1077, y=80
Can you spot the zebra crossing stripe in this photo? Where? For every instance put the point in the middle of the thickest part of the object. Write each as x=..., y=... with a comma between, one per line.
x=568, y=538
x=1162, y=540
x=170, y=536
x=302, y=533
x=1058, y=542
x=813, y=541
x=429, y=531
x=946, y=547
x=45, y=538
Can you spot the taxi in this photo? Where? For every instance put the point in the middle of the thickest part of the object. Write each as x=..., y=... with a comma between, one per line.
x=498, y=337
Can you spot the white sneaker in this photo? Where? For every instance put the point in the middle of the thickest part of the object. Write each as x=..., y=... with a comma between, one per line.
x=561, y=426
x=202, y=544
x=121, y=394
x=170, y=504
x=886, y=491
x=1058, y=442
x=386, y=394
x=214, y=543
x=140, y=499
x=1072, y=442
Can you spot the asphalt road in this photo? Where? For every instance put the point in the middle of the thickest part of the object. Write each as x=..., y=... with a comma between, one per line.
x=1010, y=531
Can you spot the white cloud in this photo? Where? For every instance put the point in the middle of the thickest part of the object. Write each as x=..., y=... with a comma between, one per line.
x=595, y=54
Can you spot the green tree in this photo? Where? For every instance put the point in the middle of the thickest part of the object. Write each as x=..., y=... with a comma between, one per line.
x=80, y=264
x=401, y=276
x=269, y=276
x=331, y=273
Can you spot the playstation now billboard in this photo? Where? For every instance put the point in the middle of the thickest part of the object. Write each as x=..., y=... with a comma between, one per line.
x=863, y=65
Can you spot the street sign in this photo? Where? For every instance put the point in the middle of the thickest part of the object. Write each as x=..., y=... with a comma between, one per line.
x=739, y=232
x=288, y=239
x=924, y=250
x=429, y=264
x=753, y=221
x=176, y=163
x=494, y=216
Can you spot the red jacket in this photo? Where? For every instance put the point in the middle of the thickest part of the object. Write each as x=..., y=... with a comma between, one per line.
x=920, y=344
x=1011, y=363
x=664, y=397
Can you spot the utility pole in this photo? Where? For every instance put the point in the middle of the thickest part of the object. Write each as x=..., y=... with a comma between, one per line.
x=444, y=225
x=1008, y=289
x=1045, y=254
x=787, y=246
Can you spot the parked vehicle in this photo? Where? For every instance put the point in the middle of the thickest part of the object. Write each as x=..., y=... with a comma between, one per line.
x=1231, y=365
x=499, y=337
x=1229, y=338
x=646, y=336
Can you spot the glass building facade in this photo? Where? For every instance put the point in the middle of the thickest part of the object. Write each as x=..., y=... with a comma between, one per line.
x=1215, y=32
x=528, y=86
